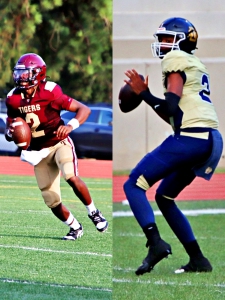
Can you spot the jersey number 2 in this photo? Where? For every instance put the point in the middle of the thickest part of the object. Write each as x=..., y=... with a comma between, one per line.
x=35, y=122
x=205, y=92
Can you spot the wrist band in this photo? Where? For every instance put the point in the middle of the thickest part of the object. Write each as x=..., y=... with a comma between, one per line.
x=74, y=123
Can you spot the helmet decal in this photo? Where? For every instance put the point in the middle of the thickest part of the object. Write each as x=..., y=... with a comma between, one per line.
x=193, y=35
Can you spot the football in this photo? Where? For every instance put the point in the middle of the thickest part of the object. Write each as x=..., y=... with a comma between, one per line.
x=22, y=134
x=128, y=100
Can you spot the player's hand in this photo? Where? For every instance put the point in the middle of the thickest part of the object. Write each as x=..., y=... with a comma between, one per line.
x=135, y=82
x=63, y=131
x=11, y=127
x=9, y=131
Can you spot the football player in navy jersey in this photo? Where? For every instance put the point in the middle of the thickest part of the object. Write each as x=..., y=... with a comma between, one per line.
x=193, y=150
x=39, y=103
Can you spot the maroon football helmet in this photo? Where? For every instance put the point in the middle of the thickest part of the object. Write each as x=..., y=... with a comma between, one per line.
x=29, y=71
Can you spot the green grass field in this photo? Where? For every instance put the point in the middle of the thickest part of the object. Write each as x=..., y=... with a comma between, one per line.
x=162, y=282
x=35, y=262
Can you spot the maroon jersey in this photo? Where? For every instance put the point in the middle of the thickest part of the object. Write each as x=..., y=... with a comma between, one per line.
x=41, y=111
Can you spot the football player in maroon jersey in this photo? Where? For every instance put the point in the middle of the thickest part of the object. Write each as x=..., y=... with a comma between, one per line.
x=51, y=151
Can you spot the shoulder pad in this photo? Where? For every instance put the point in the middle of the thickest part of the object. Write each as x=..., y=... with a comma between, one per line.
x=175, y=61
x=50, y=85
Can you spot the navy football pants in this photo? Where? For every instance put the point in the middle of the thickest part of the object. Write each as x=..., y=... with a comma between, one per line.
x=173, y=162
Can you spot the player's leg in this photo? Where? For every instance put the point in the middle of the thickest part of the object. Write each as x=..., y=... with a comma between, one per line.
x=169, y=189
x=48, y=179
x=174, y=153
x=67, y=162
x=135, y=189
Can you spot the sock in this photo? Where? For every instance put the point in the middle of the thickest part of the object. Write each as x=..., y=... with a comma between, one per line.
x=72, y=222
x=91, y=208
x=193, y=249
x=152, y=234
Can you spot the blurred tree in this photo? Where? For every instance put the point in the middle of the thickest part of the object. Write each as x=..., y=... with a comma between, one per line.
x=74, y=37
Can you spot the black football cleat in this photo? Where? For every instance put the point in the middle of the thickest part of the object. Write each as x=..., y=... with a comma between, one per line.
x=99, y=221
x=196, y=265
x=155, y=254
x=74, y=234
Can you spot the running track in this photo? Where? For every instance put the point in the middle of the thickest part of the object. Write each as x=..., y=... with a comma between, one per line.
x=87, y=167
x=200, y=189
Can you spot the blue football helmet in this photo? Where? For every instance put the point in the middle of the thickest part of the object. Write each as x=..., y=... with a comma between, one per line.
x=184, y=35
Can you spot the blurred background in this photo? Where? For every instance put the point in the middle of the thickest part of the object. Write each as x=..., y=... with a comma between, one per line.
x=134, y=23
x=75, y=40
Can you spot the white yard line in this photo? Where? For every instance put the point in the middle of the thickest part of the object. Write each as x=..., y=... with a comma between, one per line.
x=55, y=251
x=187, y=212
x=162, y=282
x=141, y=235
x=7, y=280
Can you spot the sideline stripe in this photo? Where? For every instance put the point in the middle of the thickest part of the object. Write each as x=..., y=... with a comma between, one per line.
x=187, y=212
x=7, y=280
x=161, y=282
x=55, y=251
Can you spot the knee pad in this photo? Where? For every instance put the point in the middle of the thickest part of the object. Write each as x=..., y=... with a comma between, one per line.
x=67, y=169
x=52, y=199
x=139, y=182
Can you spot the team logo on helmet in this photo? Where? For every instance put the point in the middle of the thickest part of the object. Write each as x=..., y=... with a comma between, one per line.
x=192, y=34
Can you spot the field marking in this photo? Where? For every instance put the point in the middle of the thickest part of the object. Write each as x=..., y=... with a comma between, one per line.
x=187, y=212
x=55, y=251
x=141, y=235
x=7, y=280
x=26, y=211
x=162, y=282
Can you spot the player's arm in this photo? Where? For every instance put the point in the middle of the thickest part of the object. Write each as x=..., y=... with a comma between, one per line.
x=82, y=112
x=8, y=130
x=165, y=108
